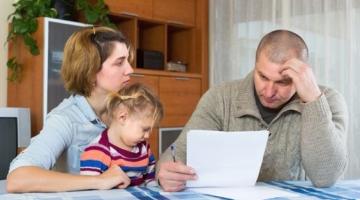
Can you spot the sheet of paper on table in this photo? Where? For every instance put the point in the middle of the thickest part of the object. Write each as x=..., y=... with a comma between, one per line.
x=225, y=159
x=228, y=164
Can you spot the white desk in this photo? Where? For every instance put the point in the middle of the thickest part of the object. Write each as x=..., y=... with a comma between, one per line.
x=342, y=190
x=132, y=193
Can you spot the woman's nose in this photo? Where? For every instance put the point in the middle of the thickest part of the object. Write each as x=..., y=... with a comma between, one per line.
x=130, y=69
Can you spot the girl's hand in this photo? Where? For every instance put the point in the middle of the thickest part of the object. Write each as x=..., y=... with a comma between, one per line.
x=113, y=177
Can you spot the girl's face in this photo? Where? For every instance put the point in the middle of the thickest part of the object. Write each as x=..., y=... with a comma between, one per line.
x=115, y=71
x=134, y=128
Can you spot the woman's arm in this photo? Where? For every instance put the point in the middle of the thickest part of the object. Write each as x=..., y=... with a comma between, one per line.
x=30, y=171
x=36, y=179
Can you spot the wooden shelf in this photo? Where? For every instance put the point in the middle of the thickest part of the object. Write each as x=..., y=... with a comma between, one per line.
x=181, y=47
x=175, y=42
x=166, y=73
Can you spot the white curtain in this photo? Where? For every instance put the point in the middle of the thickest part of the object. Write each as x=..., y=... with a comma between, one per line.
x=331, y=28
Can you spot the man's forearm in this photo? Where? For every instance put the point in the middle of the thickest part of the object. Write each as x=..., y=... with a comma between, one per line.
x=323, y=140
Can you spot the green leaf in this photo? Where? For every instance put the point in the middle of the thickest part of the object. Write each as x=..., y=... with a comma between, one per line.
x=81, y=4
x=31, y=44
x=91, y=16
x=23, y=22
x=15, y=69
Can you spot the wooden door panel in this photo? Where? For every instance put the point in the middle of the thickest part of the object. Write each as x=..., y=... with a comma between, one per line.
x=179, y=97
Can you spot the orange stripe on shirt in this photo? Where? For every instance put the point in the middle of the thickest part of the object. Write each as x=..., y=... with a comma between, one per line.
x=139, y=163
x=96, y=155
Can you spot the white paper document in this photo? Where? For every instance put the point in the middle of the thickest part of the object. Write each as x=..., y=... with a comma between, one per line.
x=225, y=159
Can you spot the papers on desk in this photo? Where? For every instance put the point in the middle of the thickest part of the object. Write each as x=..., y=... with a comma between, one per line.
x=225, y=159
x=228, y=164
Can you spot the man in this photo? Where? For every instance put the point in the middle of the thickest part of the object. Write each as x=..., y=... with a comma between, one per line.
x=307, y=122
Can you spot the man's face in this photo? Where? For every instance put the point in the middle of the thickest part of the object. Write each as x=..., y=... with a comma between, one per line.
x=273, y=89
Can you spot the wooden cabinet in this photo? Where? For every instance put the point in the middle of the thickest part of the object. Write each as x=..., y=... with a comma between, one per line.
x=171, y=11
x=138, y=8
x=185, y=41
x=180, y=96
x=150, y=81
x=175, y=11
x=178, y=29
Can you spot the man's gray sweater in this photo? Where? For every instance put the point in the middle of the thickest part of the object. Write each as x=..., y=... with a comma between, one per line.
x=307, y=139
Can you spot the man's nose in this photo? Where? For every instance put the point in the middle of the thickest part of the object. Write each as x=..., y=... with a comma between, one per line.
x=270, y=90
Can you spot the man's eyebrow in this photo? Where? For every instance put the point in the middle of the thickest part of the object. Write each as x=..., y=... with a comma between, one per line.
x=261, y=74
x=285, y=80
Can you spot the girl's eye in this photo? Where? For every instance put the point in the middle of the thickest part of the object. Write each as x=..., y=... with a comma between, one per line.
x=146, y=129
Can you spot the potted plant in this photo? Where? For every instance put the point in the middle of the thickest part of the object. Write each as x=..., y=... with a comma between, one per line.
x=23, y=23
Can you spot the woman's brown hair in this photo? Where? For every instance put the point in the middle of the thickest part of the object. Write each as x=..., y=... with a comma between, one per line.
x=84, y=53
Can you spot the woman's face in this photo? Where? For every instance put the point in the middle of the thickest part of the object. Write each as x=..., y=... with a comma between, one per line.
x=115, y=71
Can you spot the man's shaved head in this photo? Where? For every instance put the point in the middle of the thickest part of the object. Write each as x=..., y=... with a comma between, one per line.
x=281, y=45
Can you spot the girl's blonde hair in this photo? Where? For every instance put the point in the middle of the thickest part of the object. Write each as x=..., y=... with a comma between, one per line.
x=84, y=53
x=136, y=98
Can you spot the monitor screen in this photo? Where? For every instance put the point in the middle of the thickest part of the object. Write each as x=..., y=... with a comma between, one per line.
x=167, y=136
x=8, y=143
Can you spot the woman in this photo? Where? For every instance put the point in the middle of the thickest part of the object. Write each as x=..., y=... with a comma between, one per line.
x=96, y=62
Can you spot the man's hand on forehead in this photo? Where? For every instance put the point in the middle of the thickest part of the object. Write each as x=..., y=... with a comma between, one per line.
x=303, y=78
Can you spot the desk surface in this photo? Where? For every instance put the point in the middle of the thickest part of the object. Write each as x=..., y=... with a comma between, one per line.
x=342, y=190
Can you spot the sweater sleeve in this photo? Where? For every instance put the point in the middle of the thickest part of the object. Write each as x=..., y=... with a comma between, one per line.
x=323, y=138
x=94, y=161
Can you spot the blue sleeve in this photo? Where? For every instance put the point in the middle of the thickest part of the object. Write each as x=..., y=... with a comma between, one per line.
x=94, y=161
x=150, y=172
x=48, y=145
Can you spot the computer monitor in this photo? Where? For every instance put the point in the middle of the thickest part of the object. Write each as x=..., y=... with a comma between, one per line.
x=14, y=133
x=167, y=136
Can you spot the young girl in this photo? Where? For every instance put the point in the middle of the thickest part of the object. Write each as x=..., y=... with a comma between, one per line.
x=132, y=112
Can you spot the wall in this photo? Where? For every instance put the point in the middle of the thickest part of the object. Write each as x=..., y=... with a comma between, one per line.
x=5, y=9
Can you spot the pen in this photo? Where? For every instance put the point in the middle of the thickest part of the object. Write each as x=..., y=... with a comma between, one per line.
x=172, y=148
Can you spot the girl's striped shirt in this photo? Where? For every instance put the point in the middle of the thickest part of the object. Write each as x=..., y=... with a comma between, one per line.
x=138, y=164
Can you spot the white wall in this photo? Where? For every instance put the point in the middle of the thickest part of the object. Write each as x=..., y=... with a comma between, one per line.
x=5, y=9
